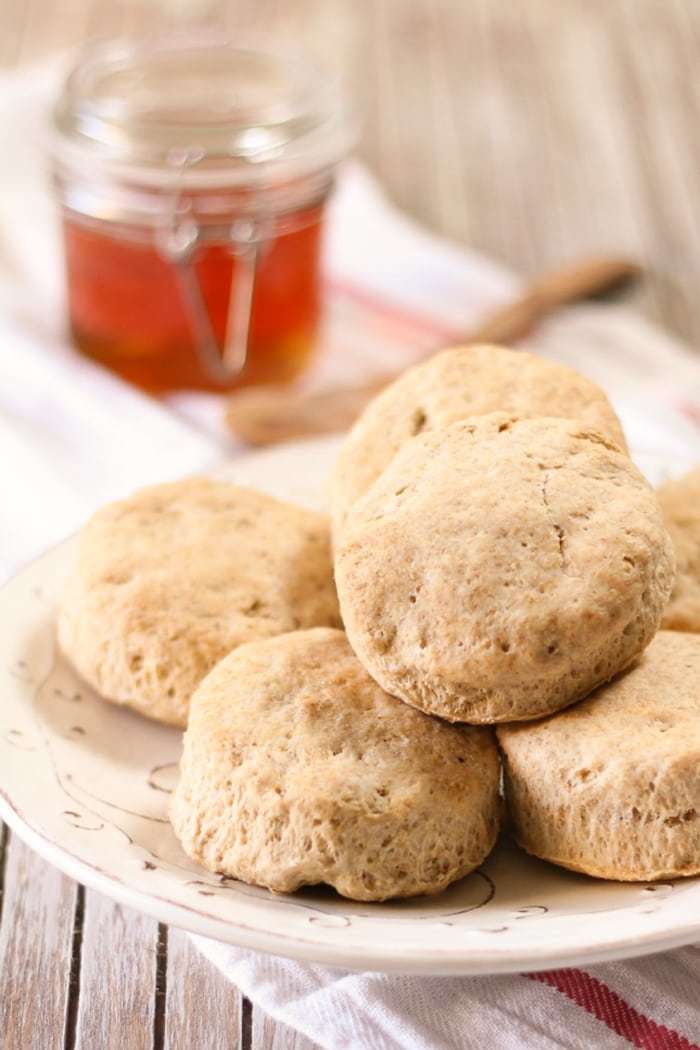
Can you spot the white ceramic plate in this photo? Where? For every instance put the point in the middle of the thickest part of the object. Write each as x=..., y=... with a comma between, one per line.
x=87, y=785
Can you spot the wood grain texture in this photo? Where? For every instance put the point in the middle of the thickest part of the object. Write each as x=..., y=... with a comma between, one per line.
x=4, y=843
x=116, y=1009
x=35, y=951
x=202, y=1009
x=535, y=132
x=269, y=1035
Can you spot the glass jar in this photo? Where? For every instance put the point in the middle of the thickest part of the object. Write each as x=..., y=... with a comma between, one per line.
x=192, y=178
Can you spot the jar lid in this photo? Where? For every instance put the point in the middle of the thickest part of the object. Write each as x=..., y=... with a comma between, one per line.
x=221, y=113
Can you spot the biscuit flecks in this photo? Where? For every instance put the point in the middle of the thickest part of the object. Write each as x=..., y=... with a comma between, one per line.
x=298, y=769
x=611, y=787
x=497, y=573
x=456, y=384
x=169, y=581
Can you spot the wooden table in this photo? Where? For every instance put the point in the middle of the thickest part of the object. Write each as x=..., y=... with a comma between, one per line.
x=535, y=131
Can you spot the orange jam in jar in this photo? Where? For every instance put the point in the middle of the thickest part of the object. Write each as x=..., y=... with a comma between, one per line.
x=192, y=178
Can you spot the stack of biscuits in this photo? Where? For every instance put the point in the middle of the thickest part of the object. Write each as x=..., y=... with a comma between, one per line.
x=479, y=618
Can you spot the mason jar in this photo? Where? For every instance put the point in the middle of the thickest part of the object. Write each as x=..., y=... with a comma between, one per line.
x=192, y=177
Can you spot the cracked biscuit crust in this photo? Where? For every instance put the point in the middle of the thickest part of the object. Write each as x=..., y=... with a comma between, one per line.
x=456, y=384
x=612, y=786
x=500, y=569
x=167, y=582
x=298, y=769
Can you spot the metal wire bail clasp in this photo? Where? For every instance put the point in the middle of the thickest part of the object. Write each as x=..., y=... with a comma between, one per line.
x=178, y=240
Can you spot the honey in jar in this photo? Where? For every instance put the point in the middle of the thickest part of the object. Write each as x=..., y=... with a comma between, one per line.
x=193, y=178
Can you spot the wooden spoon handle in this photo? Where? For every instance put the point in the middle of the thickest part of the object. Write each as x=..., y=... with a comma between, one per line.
x=570, y=284
x=271, y=415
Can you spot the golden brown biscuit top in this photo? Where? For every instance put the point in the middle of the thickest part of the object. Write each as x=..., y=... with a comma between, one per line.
x=647, y=715
x=168, y=581
x=453, y=385
x=304, y=701
x=500, y=549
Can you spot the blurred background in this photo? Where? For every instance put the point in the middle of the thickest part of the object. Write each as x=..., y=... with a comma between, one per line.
x=498, y=141
x=535, y=131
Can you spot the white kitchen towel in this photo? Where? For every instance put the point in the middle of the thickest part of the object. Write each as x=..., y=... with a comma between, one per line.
x=72, y=436
x=651, y=1003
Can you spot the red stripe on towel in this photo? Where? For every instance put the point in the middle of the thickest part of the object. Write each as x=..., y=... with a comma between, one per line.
x=691, y=411
x=401, y=315
x=612, y=1010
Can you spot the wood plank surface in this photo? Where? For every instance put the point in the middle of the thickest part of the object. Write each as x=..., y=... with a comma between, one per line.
x=117, y=985
x=267, y=1034
x=534, y=132
x=36, y=943
x=202, y=1009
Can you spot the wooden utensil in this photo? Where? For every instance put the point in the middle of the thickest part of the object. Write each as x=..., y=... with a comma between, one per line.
x=270, y=415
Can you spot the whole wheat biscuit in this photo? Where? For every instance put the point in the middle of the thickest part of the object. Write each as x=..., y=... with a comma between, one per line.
x=680, y=502
x=167, y=582
x=611, y=787
x=500, y=569
x=298, y=769
x=452, y=385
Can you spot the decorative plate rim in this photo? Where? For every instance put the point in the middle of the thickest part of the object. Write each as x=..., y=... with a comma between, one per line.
x=450, y=962
x=567, y=940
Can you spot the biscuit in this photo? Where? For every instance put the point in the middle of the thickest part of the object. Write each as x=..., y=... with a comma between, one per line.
x=167, y=582
x=298, y=769
x=452, y=385
x=680, y=502
x=611, y=787
x=501, y=569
